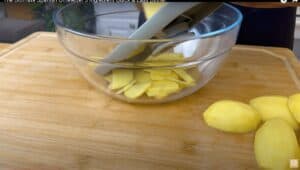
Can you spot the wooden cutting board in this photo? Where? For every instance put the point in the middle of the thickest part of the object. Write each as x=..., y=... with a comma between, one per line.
x=51, y=118
x=4, y=45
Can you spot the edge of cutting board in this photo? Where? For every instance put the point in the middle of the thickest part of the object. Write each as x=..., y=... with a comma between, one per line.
x=289, y=59
x=24, y=40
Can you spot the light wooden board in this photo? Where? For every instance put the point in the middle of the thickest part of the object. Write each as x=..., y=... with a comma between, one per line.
x=3, y=46
x=51, y=118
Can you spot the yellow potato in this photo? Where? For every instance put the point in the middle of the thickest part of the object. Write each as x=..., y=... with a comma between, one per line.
x=231, y=116
x=167, y=57
x=275, y=145
x=126, y=87
x=137, y=90
x=120, y=78
x=180, y=82
x=151, y=8
x=294, y=106
x=141, y=76
x=162, y=74
x=163, y=81
x=185, y=76
x=270, y=107
x=164, y=59
x=162, y=88
x=159, y=74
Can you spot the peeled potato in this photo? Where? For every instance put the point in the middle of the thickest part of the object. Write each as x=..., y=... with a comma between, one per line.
x=185, y=76
x=180, y=82
x=163, y=88
x=163, y=82
x=137, y=90
x=270, y=107
x=167, y=57
x=141, y=76
x=164, y=59
x=294, y=106
x=275, y=145
x=120, y=78
x=159, y=74
x=162, y=74
x=231, y=116
x=126, y=87
x=151, y=8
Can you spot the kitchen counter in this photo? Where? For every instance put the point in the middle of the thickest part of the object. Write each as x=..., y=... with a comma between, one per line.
x=51, y=118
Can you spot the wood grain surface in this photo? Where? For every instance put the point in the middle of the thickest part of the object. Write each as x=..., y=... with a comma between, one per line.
x=52, y=119
x=3, y=46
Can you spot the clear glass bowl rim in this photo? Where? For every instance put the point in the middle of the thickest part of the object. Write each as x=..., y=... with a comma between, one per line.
x=202, y=36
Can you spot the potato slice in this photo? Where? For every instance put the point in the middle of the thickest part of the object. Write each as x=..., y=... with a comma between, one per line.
x=231, y=116
x=275, y=144
x=120, y=78
x=164, y=59
x=180, y=82
x=161, y=74
x=167, y=57
x=163, y=81
x=141, y=76
x=137, y=90
x=151, y=8
x=294, y=106
x=185, y=76
x=162, y=88
x=274, y=107
x=126, y=87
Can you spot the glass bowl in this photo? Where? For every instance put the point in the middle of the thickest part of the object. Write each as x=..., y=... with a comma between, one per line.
x=177, y=67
